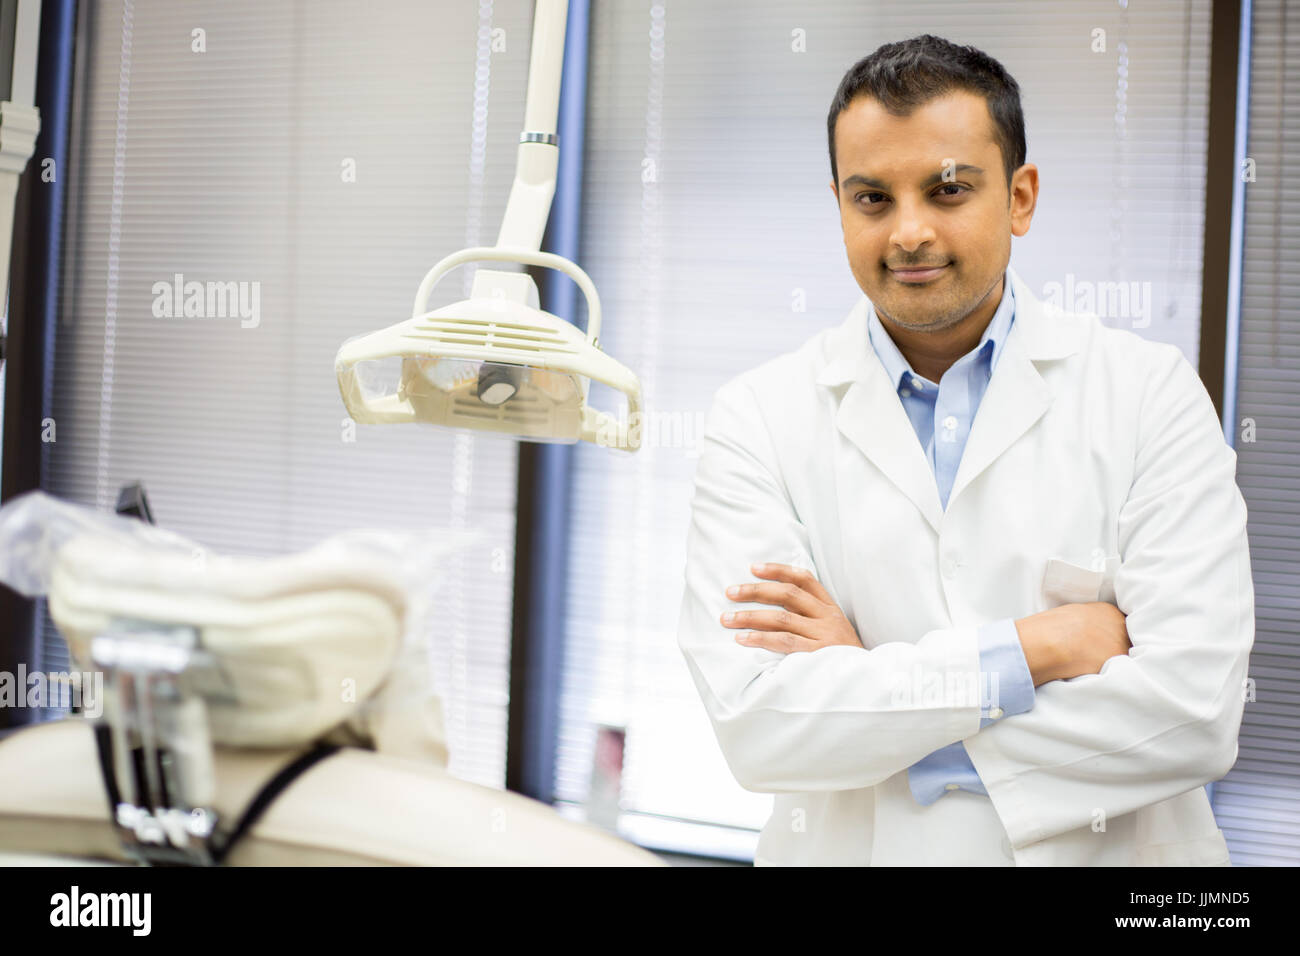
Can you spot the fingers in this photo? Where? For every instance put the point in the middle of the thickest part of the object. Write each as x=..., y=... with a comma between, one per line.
x=801, y=600
x=783, y=642
x=789, y=596
x=799, y=577
x=772, y=621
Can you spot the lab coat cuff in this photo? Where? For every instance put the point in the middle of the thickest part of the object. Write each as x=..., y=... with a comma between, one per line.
x=1006, y=683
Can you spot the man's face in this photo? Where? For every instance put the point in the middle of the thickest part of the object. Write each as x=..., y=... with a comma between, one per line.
x=899, y=210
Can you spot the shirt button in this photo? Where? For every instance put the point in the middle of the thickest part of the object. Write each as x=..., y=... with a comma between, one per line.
x=906, y=392
x=950, y=423
x=952, y=786
x=917, y=383
x=996, y=712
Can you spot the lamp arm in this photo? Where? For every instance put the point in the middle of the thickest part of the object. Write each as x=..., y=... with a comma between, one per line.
x=529, y=205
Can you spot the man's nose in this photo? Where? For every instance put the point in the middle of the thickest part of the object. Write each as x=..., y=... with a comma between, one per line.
x=912, y=228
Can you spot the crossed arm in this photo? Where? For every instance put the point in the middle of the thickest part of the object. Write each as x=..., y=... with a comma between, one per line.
x=1059, y=643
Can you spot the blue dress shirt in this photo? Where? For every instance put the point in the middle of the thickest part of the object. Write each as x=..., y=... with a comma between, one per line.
x=945, y=412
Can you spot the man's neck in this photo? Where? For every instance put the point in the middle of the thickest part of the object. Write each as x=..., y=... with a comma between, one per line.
x=932, y=353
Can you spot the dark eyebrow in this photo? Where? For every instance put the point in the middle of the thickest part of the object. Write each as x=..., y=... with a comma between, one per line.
x=859, y=180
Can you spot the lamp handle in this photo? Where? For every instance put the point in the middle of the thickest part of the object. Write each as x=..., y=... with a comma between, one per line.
x=547, y=260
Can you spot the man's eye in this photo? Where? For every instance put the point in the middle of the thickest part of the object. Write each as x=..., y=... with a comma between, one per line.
x=958, y=187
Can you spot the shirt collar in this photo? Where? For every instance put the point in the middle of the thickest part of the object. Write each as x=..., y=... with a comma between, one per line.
x=899, y=369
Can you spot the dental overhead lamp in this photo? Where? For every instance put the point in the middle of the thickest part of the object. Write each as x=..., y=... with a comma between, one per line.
x=496, y=361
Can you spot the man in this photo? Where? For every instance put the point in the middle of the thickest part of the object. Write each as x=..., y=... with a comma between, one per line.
x=1007, y=606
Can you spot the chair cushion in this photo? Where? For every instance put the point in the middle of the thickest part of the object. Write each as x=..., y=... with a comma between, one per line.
x=356, y=807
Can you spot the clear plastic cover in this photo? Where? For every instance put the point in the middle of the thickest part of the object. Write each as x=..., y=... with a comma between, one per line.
x=524, y=402
x=403, y=715
x=493, y=384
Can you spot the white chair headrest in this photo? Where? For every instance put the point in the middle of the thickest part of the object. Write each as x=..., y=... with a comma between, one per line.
x=301, y=640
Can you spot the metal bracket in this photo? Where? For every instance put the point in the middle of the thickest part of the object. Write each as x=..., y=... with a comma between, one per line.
x=154, y=747
x=547, y=139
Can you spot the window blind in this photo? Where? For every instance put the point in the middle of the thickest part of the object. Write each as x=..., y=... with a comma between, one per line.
x=711, y=231
x=1258, y=803
x=325, y=154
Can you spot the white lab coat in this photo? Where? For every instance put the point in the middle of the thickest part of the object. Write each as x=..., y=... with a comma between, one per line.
x=1096, y=469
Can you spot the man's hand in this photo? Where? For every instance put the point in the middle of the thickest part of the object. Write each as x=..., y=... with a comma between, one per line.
x=1072, y=639
x=808, y=620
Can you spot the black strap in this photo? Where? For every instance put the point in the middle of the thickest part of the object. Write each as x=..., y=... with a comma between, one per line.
x=104, y=744
x=273, y=788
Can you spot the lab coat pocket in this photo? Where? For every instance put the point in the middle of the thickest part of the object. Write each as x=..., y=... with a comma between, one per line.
x=1070, y=583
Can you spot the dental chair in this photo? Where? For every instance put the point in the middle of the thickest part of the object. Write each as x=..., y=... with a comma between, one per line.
x=253, y=712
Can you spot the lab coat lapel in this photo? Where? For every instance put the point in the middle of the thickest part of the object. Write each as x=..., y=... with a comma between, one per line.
x=872, y=417
x=1017, y=395
x=1016, y=398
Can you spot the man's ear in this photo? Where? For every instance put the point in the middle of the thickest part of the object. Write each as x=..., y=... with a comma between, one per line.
x=1024, y=198
x=835, y=192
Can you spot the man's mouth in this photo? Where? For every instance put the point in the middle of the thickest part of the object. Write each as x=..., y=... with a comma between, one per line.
x=915, y=274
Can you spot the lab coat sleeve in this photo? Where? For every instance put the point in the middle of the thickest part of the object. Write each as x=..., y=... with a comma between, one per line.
x=837, y=718
x=1003, y=659
x=1163, y=719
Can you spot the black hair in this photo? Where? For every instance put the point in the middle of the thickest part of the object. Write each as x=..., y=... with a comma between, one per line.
x=904, y=75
